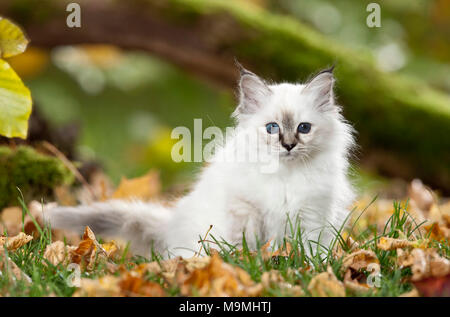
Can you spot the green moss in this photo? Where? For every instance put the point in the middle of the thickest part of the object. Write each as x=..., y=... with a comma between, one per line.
x=34, y=173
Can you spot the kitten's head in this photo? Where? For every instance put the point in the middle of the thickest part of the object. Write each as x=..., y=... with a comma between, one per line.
x=296, y=121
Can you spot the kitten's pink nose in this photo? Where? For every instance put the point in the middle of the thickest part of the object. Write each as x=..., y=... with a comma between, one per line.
x=288, y=146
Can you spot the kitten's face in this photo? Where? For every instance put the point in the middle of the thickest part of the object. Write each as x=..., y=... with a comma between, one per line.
x=295, y=121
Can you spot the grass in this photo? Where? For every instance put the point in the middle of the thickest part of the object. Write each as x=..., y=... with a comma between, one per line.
x=296, y=268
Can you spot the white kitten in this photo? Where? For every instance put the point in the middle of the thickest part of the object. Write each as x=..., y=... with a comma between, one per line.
x=298, y=128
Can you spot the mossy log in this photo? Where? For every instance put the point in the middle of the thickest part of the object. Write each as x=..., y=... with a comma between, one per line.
x=403, y=125
x=35, y=174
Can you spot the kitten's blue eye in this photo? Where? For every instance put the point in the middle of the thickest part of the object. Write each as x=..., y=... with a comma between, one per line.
x=272, y=128
x=304, y=127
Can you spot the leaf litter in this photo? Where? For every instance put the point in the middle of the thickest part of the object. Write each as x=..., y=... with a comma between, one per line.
x=418, y=246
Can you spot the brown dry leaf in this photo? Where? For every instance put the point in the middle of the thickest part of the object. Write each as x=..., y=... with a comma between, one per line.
x=13, y=243
x=217, y=279
x=144, y=187
x=87, y=250
x=195, y=263
x=424, y=263
x=353, y=263
x=284, y=251
x=387, y=244
x=166, y=269
x=6, y=264
x=105, y=286
x=437, y=231
x=152, y=267
x=353, y=245
x=359, y=260
x=356, y=287
x=326, y=285
x=356, y=281
x=265, y=252
x=273, y=278
x=132, y=285
x=173, y=268
x=57, y=253
x=129, y=283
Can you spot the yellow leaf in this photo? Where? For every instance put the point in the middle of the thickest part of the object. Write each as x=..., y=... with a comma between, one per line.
x=12, y=40
x=144, y=187
x=110, y=248
x=15, y=103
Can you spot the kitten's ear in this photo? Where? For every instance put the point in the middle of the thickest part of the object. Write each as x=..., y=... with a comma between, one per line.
x=252, y=92
x=321, y=88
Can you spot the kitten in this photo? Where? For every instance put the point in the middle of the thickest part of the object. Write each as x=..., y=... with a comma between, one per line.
x=298, y=127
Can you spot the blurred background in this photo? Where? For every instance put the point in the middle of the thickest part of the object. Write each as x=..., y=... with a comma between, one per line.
x=109, y=93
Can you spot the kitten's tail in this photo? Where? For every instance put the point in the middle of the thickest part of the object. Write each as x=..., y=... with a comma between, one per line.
x=142, y=224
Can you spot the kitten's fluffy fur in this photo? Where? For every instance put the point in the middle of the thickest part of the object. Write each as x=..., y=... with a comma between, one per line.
x=310, y=183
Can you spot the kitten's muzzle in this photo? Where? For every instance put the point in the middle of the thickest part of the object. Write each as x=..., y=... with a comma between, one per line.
x=288, y=147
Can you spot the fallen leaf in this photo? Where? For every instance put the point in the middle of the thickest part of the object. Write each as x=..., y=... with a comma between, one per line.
x=195, y=263
x=111, y=248
x=387, y=243
x=87, y=250
x=357, y=287
x=424, y=263
x=105, y=286
x=273, y=279
x=137, y=286
x=144, y=187
x=437, y=232
x=13, y=243
x=58, y=252
x=326, y=284
x=128, y=283
x=218, y=279
x=359, y=260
